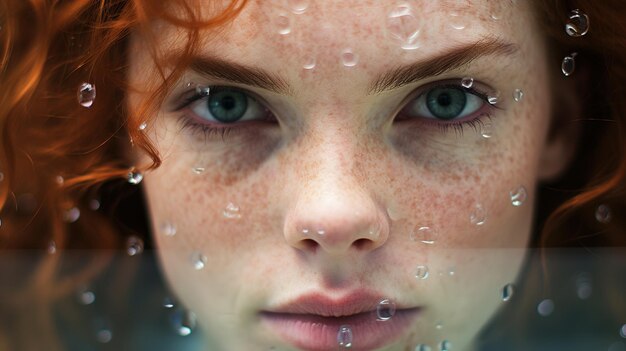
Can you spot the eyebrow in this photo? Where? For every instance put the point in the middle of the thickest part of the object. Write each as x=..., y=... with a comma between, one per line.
x=398, y=77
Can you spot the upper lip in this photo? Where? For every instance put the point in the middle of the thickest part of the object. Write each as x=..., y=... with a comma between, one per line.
x=356, y=302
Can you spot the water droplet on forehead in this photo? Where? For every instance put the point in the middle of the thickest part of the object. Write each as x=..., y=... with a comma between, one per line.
x=86, y=94
x=568, y=66
x=168, y=229
x=283, y=24
x=445, y=346
x=425, y=234
x=183, y=321
x=577, y=24
x=486, y=130
x=545, y=307
x=422, y=347
x=518, y=95
x=421, y=272
x=385, y=310
x=198, y=260
x=309, y=63
x=298, y=7
x=478, y=215
x=344, y=336
x=518, y=196
x=349, y=58
x=404, y=26
x=467, y=82
x=507, y=292
x=134, y=245
x=134, y=177
x=458, y=20
x=71, y=215
x=231, y=211
x=603, y=214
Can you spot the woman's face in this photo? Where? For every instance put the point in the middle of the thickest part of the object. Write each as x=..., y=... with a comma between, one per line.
x=339, y=159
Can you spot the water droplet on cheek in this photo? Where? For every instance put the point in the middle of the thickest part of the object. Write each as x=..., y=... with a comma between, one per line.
x=349, y=58
x=486, y=130
x=458, y=20
x=385, y=310
x=309, y=63
x=198, y=260
x=425, y=235
x=518, y=196
x=283, y=24
x=518, y=95
x=168, y=229
x=298, y=7
x=478, y=216
x=231, y=211
x=344, y=336
x=421, y=272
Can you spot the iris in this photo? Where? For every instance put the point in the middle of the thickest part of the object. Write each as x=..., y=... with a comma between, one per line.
x=446, y=103
x=227, y=106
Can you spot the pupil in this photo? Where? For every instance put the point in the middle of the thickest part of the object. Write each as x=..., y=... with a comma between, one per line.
x=444, y=99
x=228, y=102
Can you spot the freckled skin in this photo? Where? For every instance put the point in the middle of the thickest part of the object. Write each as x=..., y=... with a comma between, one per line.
x=337, y=160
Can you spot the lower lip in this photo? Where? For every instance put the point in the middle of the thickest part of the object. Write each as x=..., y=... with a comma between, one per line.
x=313, y=333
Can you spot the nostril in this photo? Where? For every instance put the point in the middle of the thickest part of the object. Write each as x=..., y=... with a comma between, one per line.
x=309, y=244
x=361, y=243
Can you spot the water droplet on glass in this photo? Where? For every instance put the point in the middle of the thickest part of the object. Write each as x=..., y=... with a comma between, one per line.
x=486, y=130
x=168, y=302
x=134, y=177
x=298, y=7
x=104, y=335
x=568, y=66
x=198, y=260
x=467, y=82
x=86, y=94
x=283, y=22
x=478, y=215
x=518, y=95
x=445, y=345
x=518, y=196
x=71, y=215
x=309, y=63
x=86, y=297
x=493, y=97
x=385, y=310
x=603, y=214
x=183, y=321
x=344, y=336
x=231, y=211
x=577, y=24
x=507, y=292
x=422, y=347
x=622, y=331
x=198, y=170
x=349, y=58
x=52, y=247
x=168, y=229
x=426, y=235
x=545, y=307
x=404, y=26
x=458, y=20
x=134, y=245
x=94, y=204
x=421, y=272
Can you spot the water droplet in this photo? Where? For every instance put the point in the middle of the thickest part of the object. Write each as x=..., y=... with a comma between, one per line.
x=344, y=336
x=183, y=321
x=52, y=247
x=422, y=347
x=298, y=7
x=426, y=235
x=202, y=90
x=568, y=66
x=493, y=97
x=309, y=63
x=467, y=82
x=168, y=302
x=404, y=26
x=421, y=272
x=104, y=335
x=86, y=297
x=622, y=331
x=451, y=271
x=486, y=130
x=478, y=215
x=198, y=260
x=583, y=286
x=603, y=214
x=134, y=177
x=458, y=20
x=518, y=196
x=143, y=126
x=283, y=23
x=231, y=211
x=507, y=292
x=134, y=245
x=198, y=170
x=385, y=310
x=577, y=24
x=168, y=229
x=518, y=95
x=349, y=58
x=545, y=307
x=71, y=215
x=439, y=326
x=94, y=204
x=305, y=231
x=86, y=94
x=321, y=232
x=445, y=345
x=59, y=180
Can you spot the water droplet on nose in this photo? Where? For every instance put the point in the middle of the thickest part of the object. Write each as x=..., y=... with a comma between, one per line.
x=344, y=336
x=404, y=26
x=198, y=170
x=298, y=7
x=86, y=94
x=577, y=24
x=486, y=130
x=445, y=346
x=168, y=229
x=52, y=247
x=143, y=126
x=321, y=232
x=458, y=20
x=603, y=214
x=71, y=215
x=622, y=331
x=507, y=292
x=305, y=231
x=421, y=272
x=478, y=215
x=467, y=82
x=283, y=23
x=168, y=302
x=309, y=63
x=86, y=297
x=134, y=245
x=231, y=211
x=422, y=347
x=518, y=95
x=518, y=196
x=134, y=177
x=545, y=307
x=568, y=66
x=385, y=310
x=198, y=260
x=183, y=321
x=426, y=235
x=349, y=58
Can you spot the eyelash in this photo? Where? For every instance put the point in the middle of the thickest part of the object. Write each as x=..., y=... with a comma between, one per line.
x=209, y=132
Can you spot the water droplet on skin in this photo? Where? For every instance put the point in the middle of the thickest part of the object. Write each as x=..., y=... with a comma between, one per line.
x=467, y=82
x=507, y=292
x=134, y=177
x=545, y=307
x=183, y=321
x=422, y=347
x=86, y=297
x=231, y=211
x=86, y=94
x=344, y=336
x=518, y=196
x=71, y=215
x=577, y=24
x=421, y=272
x=305, y=231
x=94, y=204
x=486, y=130
x=52, y=247
x=385, y=310
x=198, y=170
x=198, y=260
x=426, y=235
x=134, y=245
x=478, y=215
x=458, y=20
x=451, y=271
x=298, y=7
x=603, y=214
x=349, y=58
x=439, y=326
x=493, y=98
x=168, y=302
x=168, y=229
x=203, y=90
x=283, y=22
x=568, y=66
x=104, y=336
x=445, y=345
x=404, y=26
x=309, y=63
x=518, y=95
x=321, y=232
x=622, y=331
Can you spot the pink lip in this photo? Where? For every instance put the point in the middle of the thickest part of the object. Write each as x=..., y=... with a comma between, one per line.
x=312, y=322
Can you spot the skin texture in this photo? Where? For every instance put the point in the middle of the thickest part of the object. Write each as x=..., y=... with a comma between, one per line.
x=339, y=160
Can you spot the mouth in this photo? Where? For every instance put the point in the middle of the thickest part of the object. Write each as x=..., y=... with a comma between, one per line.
x=317, y=322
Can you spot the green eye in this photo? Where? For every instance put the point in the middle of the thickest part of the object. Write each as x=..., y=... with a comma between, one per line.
x=446, y=103
x=227, y=106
